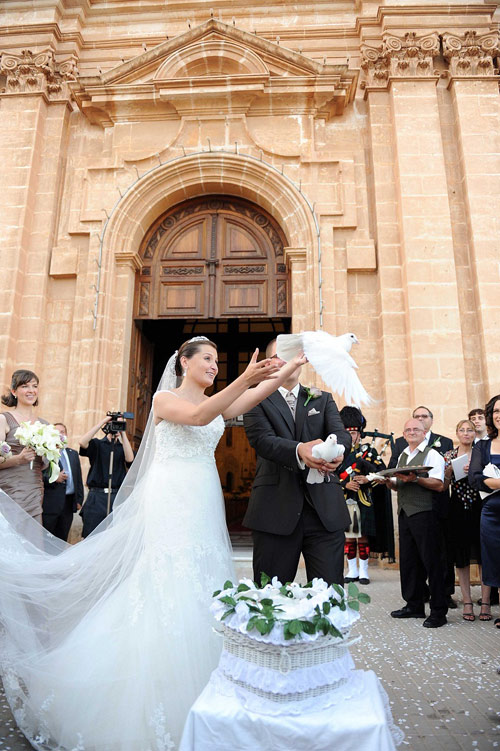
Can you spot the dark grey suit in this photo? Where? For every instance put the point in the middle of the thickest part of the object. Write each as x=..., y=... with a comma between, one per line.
x=58, y=507
x=287, y=515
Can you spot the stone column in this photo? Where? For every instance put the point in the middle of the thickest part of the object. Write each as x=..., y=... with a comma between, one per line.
x=474, y=90
x=34, y=103
x=394, y=345
x=404, y=67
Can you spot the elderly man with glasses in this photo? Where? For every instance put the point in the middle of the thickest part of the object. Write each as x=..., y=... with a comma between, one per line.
x=420, y=538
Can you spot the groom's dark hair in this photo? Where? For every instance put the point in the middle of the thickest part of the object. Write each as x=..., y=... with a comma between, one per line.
x=269, y=346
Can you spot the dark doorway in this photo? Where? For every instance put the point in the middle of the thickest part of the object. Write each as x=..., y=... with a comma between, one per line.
x=236, y=340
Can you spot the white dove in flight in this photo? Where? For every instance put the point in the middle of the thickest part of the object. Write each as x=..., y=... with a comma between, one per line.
x=330, y=358
x=327, y=450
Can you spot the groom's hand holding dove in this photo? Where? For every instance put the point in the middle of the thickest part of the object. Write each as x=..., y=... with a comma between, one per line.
x=330, y=452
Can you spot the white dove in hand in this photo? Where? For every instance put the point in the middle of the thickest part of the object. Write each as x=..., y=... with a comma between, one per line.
x=330, y=358
x=328, y=450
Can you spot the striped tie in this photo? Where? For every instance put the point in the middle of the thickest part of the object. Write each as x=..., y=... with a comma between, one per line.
x=291, y=400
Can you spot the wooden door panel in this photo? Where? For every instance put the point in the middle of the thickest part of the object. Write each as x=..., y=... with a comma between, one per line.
x=244, y=298
x=239, y=239
x=140, y=385
x=181, y=300
x=213, y=256
x=188, y=241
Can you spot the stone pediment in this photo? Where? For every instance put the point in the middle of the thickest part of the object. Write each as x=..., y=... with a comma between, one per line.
x=215, y=68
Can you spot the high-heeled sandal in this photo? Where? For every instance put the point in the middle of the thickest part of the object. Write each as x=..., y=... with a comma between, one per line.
x=469, y=616
x=487, y=615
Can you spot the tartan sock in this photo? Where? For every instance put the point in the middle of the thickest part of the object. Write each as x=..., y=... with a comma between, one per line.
x=350, y=547
x=363, y=551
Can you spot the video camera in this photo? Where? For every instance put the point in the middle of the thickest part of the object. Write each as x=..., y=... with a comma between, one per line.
x=118, y=423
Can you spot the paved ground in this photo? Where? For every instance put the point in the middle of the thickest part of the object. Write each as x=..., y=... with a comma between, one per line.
x=443, y=683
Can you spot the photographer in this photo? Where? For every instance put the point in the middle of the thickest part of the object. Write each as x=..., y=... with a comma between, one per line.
x=113, y=451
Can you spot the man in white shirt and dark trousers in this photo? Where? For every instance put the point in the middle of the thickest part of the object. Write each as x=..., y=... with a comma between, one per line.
x=420, y=538
x=62, y=498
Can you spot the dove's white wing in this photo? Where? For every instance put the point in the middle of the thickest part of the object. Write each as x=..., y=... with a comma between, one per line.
x=335, y=366
x=289, y=346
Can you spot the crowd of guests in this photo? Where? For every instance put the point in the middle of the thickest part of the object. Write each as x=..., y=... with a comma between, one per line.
x=448, y=516
x=25, y=477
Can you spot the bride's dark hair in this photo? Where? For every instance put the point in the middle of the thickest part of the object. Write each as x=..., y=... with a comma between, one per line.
x=19, y=378
x=188, y=349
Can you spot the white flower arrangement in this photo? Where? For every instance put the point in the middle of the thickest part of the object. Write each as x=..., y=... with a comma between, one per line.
x=5, y=451
x=45, y=441
x=280, y=612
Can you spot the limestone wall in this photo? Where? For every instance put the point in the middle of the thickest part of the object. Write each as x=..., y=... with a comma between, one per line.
x=370, y=132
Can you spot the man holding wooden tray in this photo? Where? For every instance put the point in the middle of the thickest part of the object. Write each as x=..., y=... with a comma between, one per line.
x=420, y=541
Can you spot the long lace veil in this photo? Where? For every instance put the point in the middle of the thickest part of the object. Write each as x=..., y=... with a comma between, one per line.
x=47, y=587
x=146, y=452
x=23, y=524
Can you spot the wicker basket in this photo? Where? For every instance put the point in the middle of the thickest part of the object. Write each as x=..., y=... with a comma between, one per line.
x=286, y=660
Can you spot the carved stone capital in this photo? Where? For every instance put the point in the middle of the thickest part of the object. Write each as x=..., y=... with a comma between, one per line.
x=39, y=72
x=409, y=56
x=295, y=256
x=129, y=259
x=471, y=54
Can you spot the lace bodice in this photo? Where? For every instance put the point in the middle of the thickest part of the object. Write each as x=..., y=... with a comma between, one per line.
x=187, y=441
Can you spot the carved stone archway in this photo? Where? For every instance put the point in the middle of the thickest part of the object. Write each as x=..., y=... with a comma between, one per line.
x=170, y=184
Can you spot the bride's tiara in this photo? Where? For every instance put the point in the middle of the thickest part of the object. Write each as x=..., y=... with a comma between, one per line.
x=199, y=339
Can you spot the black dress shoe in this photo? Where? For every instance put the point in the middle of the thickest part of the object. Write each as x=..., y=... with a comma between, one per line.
x=351, y=579
x=435, y=621
x=364, y=581
x=450, y=602
x=407, y=612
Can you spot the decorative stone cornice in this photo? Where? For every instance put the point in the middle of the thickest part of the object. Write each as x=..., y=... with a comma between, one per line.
x=215, y=68
x=37, y=72
x=410, y=56
x=471, y=54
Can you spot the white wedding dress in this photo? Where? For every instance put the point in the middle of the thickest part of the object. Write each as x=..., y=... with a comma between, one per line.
x=105, y=645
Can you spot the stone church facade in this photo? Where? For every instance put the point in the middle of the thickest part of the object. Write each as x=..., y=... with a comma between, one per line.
x=244, y=168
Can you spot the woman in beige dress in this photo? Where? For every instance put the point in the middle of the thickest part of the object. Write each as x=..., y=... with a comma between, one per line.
x=17, y=479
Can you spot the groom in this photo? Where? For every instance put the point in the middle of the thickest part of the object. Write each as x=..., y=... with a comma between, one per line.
x=287, y=515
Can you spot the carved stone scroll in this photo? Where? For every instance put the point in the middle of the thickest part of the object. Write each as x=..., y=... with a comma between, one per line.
x=29, y=72
x=471, y=54
x=409, y=56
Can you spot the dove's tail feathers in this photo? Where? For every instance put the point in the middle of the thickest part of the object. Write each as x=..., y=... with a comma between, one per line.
x=289, y=346
x=335, y=366
x=314, y=477
x=355, y=393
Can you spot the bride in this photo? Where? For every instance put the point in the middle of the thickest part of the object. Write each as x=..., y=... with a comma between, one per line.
x=105, y=645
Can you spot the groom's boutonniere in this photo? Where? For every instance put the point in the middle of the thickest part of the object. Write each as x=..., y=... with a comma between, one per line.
x=436, y=444
x=312, y=393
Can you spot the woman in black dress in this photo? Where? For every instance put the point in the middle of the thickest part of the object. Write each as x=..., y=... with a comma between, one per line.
x=485, y=454
x=464, y=517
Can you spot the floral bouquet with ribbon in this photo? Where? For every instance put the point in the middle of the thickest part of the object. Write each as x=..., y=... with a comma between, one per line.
x=45, y=441
x=5, y=451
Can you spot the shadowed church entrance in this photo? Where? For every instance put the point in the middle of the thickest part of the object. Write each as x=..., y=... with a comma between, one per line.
x=215, y=267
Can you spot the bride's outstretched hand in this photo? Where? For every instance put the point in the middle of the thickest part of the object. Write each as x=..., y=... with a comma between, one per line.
x=265, y=370
x=296, y=362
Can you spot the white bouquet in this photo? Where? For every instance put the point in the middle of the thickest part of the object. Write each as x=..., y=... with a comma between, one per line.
x=45, y=441
x=281, y=612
